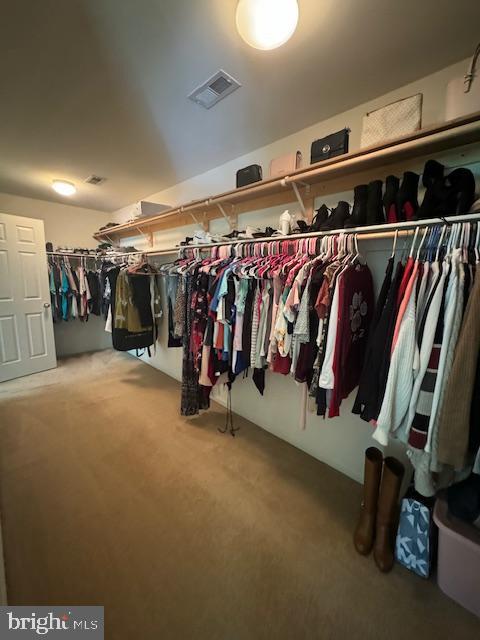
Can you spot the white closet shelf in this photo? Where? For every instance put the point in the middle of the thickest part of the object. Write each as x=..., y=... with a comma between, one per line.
x=330, y=176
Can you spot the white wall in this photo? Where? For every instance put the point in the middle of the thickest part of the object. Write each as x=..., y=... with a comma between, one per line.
x=339, y=442
x=75, y=336
x=66, y=225
x=222, y=178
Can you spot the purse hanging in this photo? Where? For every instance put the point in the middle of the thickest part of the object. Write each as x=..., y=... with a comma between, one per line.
x=463, y=93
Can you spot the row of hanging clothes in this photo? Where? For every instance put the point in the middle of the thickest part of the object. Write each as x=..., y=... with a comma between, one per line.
x=420, y=382
x=134, y=308
x=295, y=307
x=76, y=290
x=124, y=289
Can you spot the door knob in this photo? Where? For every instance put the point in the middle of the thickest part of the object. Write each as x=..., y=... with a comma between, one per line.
x=46, y=305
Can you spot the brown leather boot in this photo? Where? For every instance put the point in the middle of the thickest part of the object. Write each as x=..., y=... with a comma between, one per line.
x=393, y=471
x=365, y=530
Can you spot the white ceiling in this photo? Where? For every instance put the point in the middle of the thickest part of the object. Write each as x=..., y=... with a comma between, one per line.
x=100, y=86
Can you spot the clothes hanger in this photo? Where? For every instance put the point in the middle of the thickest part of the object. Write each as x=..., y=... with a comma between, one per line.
x=329, y=248
x=350, y=248
x=432, y=240
x=410, y=255
x=439, y=244
x=477, y=243
x=450, y=240
x=466, y=241
x=358, y=256
x=141, y=267
x=342, y=246
x=455, y=235
x=461, y=240
x=405, y=246
x=395, y=237
x=421, y=244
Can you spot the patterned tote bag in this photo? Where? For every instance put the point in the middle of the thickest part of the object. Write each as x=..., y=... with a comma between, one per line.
x=413, y=545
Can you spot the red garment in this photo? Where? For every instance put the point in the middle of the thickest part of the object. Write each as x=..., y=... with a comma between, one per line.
x=219, y=342
x=281, y=364
x=323, y=299
x=355, y=309
x=405, y=280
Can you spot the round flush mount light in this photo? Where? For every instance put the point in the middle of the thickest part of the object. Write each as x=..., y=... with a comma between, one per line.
x=267, y=24
x=64, y=188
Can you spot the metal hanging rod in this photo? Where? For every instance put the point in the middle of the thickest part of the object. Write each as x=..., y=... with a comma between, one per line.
x=72, y=254
x=371, y=232
x=110, y=256
x=438, y=138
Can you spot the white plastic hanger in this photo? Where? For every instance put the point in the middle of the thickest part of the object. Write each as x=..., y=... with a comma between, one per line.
x=394, y=243
x=421, y=243
x=462, y=239
x=466, y=241
x=477, y=240
x=413, y=242
x=451, y=238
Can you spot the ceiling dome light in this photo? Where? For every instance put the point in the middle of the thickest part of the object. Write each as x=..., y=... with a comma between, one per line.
x=267, y=24
x=64, y=188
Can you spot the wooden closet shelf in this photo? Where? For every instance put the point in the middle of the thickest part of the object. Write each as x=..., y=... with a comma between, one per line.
x=307, y=183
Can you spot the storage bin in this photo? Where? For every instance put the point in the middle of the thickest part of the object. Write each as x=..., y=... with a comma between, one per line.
x=458, y=558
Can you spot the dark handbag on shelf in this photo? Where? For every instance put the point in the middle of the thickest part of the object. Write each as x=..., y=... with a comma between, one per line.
x=248, y=175
x=336, y=144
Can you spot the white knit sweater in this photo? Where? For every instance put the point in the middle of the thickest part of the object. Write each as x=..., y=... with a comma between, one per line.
x=425, y=351
x=327, y=377
x=400, y=376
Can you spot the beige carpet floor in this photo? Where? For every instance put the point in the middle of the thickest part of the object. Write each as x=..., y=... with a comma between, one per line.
x=109, y=497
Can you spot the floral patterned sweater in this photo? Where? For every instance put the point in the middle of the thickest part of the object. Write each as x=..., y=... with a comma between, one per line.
x=355, y=310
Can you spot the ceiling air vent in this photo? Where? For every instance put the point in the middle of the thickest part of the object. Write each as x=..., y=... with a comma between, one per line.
x=220, y=85
x=93, y=179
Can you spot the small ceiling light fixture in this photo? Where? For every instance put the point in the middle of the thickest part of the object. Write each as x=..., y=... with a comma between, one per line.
x=267, y=24
x=64, y=188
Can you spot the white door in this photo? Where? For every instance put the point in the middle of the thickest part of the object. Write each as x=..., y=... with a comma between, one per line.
x=27, y=344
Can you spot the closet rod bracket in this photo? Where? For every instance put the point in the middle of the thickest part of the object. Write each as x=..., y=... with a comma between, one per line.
x=231, y=219
x=201, y=223
x=307, y=205
x=147, y=236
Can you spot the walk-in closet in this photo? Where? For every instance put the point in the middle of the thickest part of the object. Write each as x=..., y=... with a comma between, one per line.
x=240, y=319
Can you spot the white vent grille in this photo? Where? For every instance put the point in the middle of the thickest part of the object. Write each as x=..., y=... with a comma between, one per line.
x=220, y=85
x=93, y=179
